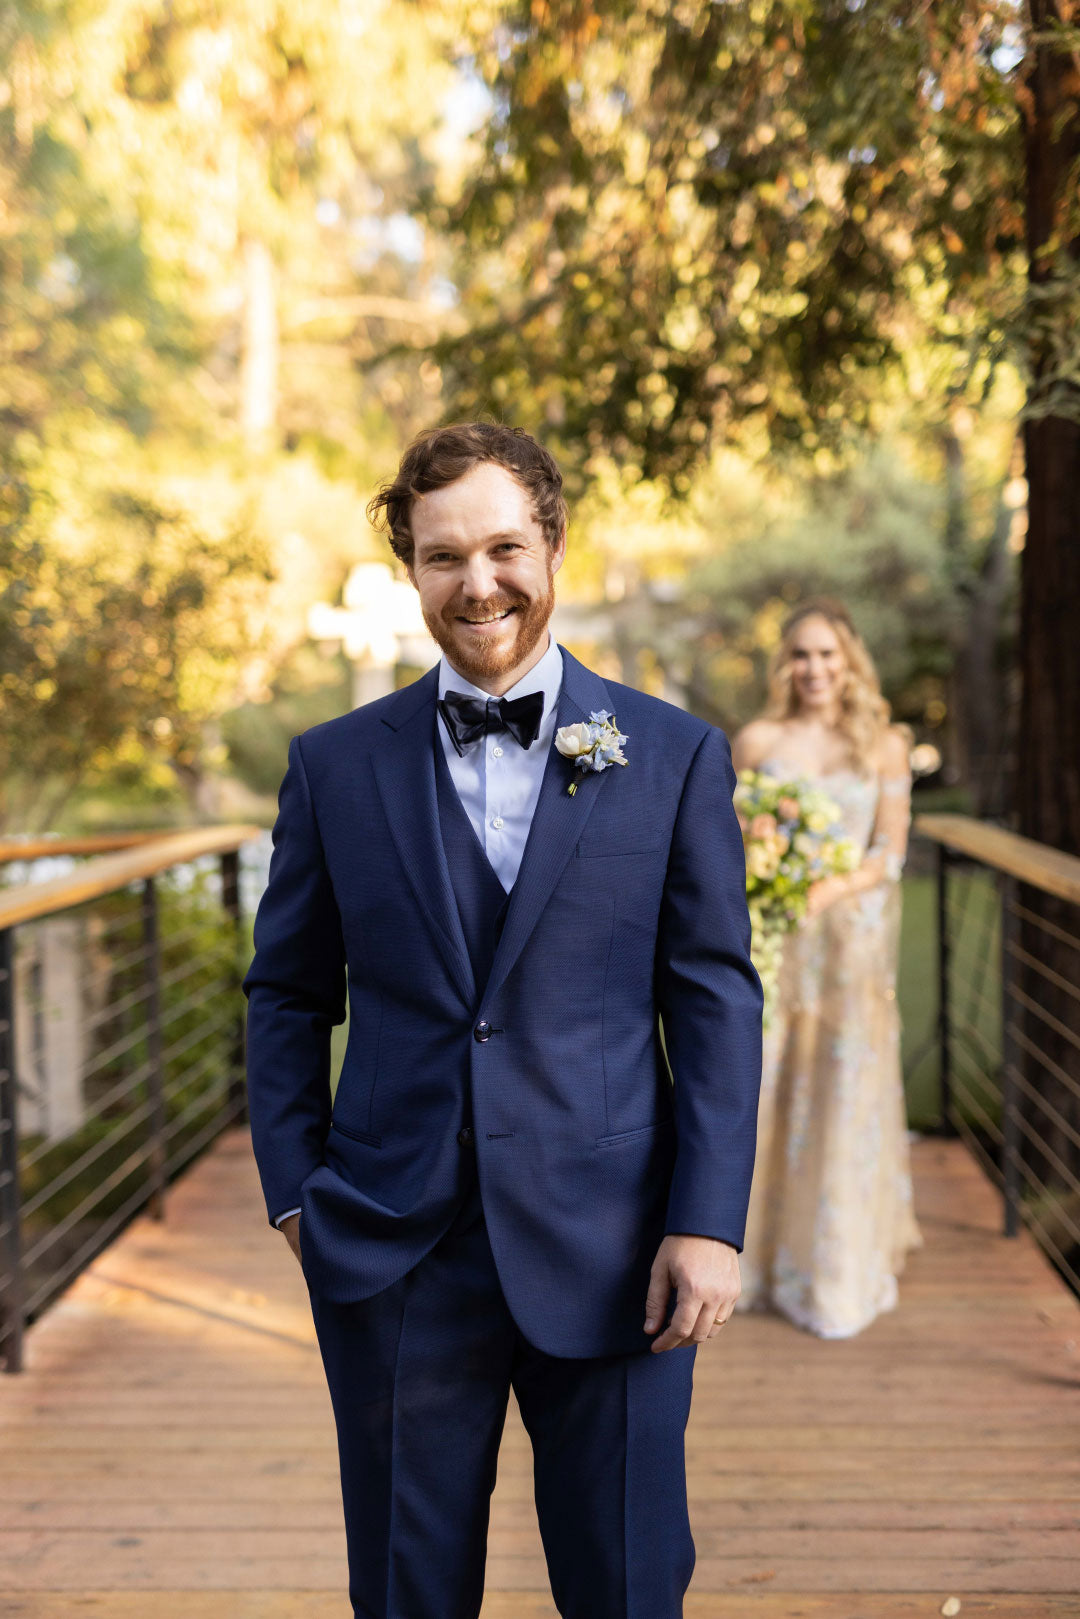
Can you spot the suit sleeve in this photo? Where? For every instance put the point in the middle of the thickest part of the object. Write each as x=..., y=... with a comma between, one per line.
x=295, y=990
x=710, y=1000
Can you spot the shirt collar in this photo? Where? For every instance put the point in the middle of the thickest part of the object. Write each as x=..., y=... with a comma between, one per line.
x=545, y=675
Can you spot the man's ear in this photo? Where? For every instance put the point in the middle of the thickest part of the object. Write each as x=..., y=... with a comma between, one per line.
x=411, y=575
x=558, y=551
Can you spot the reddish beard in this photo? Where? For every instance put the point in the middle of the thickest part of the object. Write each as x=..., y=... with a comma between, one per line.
x=479, y=660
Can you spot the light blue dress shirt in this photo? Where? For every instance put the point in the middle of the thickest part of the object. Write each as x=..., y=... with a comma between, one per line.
x=498, y=781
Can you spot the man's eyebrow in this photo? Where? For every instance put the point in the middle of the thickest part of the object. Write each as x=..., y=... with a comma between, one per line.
x=489, y=539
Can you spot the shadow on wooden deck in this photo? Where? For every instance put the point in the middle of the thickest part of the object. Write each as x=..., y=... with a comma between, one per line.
x=169, y=1451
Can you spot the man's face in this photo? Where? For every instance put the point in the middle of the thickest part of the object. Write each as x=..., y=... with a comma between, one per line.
x=485, y=573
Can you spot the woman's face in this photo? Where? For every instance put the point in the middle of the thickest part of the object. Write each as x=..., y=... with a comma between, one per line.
x=818, y=665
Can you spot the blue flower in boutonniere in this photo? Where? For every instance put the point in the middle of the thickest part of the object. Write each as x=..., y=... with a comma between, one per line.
x=592, y=744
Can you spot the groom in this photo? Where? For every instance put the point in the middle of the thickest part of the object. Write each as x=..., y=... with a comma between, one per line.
x=517, y=1183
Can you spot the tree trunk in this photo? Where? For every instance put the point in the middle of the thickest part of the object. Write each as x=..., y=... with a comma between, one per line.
x=981, y=727
x=1048, y=762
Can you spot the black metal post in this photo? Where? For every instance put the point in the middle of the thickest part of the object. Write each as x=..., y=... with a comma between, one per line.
x=11, y=1268
x=1010, y=1099
x=230, y=899
x=155, y=1075
x=944, y=965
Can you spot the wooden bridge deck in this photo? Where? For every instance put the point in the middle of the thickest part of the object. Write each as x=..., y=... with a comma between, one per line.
x=169, y=1452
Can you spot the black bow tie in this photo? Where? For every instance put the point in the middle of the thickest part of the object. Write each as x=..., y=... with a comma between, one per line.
x=468, y=719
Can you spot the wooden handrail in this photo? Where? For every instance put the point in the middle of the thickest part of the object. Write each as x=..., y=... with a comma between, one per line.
x=1052, y=870
x=105, y=874
x=92, y=843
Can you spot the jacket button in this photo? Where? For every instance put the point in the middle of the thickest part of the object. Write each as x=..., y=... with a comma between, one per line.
x=464, y=1135
x=482, y=1031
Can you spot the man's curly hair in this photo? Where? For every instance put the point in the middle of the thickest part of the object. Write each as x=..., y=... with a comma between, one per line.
x=442, y=455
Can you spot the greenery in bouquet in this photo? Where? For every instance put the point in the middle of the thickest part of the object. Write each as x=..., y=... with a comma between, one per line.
x=793, y=836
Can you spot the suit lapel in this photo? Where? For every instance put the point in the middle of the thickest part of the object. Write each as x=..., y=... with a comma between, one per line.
x=404, y=770
x=558, y=821
x=405, y=776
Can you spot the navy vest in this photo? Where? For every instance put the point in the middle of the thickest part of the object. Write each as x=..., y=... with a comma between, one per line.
x=482, y=900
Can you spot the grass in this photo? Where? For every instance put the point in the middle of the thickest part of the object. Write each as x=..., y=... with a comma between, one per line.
x=976, y=991
x=917, y=992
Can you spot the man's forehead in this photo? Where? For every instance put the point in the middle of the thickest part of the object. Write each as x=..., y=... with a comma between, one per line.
x=474, y=509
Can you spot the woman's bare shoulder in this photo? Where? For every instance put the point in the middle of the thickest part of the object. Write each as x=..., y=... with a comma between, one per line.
x=753, y=742
x=892, y=755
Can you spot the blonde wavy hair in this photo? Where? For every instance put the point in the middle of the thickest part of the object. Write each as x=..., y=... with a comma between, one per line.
x=865, y=714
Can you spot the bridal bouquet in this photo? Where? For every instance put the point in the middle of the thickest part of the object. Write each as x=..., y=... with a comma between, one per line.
x=793, y=836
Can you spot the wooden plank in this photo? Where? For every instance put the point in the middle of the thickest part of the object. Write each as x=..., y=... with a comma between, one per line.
x=100, y=1511
x=94, y=843
x=266, y=1604
x=106, y=873
x=717, y=1446
x=1036, y=863
x=173, y=1435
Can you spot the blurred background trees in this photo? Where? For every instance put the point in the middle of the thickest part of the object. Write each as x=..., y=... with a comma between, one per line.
x=206, y=229
x=758, y=272
x=796, y=231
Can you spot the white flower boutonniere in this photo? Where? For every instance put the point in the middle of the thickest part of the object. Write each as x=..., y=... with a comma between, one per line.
x=593, y=744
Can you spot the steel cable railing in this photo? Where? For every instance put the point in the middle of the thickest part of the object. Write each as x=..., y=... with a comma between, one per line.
x=1008, y=1023
x=121, y=1048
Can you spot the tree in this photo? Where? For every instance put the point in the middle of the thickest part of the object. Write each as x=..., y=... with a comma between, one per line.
x=196, y=253
x=112, y=663
x=1048, y=765
x=783, y=227
x=697, y=221
x=1048, y=785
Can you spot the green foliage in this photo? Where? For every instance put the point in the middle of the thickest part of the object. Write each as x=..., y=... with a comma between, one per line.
x=695, y=217
x=305, y=693
x=869, y=535
x=115, y=657
x=185, y=192
x=779, y=224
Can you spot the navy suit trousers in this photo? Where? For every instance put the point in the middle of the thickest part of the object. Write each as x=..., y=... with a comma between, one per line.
x=420, y=1376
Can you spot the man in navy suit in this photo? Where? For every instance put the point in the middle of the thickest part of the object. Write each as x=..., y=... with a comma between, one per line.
x=518, y=1183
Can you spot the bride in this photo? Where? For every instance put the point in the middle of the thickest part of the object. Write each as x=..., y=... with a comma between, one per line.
x=831, y=1218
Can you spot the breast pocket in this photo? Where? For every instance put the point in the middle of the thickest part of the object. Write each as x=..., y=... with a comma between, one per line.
x=610, y=848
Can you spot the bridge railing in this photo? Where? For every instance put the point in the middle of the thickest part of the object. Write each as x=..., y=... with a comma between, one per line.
x=121, y=1044
x=1008, y=1020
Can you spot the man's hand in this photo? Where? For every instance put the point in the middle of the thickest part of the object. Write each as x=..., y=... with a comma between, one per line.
x=291, y=1228
x=705, y=1273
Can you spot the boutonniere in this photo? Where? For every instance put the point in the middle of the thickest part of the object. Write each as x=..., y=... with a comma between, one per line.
x=592, y=744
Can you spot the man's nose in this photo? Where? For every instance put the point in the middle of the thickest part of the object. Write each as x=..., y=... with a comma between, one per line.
x=479, y=580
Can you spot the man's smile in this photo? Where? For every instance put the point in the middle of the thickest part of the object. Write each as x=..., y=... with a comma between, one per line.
x=487, y=621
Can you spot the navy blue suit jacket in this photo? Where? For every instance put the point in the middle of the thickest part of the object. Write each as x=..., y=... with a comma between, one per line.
x=629, y=904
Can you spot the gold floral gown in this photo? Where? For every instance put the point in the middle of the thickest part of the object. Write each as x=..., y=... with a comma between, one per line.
x=831, y=1217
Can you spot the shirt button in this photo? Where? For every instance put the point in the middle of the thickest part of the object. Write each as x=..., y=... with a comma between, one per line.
x=497, y=822
x=496, y=753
